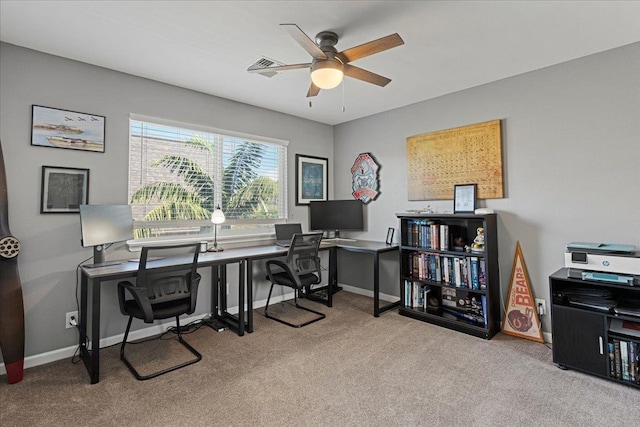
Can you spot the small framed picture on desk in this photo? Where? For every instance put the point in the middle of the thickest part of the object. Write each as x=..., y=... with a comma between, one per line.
x=390, y=232
x=464, y=198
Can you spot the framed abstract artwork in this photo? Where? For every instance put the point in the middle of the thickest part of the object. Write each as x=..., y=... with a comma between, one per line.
x=312, y=179
x=64, y=189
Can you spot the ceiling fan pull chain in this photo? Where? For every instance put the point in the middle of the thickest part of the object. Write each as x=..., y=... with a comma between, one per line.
x=343, y=109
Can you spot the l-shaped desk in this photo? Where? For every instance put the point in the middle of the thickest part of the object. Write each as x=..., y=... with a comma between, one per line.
x=92, y=278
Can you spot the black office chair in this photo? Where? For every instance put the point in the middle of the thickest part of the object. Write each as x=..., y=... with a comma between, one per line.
x=300, y=271
x=161, y=293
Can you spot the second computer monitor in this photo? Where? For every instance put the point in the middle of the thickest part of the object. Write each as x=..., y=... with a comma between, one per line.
x=336, y=215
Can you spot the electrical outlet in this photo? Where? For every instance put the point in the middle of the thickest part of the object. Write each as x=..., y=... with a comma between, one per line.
x=541, y=306
x=71, y=320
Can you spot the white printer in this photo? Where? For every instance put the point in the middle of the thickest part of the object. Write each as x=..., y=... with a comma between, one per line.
x=609, y=262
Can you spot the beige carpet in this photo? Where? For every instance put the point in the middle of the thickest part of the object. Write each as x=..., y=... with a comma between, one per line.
x=349, y=369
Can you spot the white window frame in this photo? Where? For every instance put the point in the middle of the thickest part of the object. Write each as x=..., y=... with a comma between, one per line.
x=234, y=236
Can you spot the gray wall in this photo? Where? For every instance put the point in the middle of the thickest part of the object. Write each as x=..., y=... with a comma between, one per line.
x=571, y=158
x=51, y=242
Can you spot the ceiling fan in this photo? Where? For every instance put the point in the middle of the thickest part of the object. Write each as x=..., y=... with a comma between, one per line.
x=328, y=65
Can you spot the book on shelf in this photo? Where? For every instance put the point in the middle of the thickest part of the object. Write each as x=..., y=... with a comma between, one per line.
x=475, y=284
x=624, y=360
x=444, y=237
x=457, y=272
x=616, y=352
x=633, y=362
x=446, y=265
x=485, y=315
x=612, y=359
x=482, y=274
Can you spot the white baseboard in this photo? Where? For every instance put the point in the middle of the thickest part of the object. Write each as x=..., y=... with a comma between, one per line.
x=368, y=293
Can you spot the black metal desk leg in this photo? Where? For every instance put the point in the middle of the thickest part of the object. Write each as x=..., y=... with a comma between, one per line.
x=333, y=276
x=215, y=290
x=95, y=331
x=82, y=330
x=241, y=288
x=222, y=286
x=90, y=358
x=249, y=296
x=376, y=285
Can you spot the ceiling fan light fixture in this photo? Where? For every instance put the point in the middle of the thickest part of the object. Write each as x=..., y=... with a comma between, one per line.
x=327, y=74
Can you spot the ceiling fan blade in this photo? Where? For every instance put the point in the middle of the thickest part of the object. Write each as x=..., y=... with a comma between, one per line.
x=371, y=48
x=254, y=69
x=313, y=90
x=364, y=75
x=304, y=41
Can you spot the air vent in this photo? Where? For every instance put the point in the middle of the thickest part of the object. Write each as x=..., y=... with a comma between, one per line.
x=265, y=62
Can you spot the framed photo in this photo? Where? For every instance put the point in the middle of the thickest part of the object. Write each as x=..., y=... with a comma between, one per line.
x=464, y=198
x=52, y=127
x=64, y=189
x=312, y=179
x=390, y=232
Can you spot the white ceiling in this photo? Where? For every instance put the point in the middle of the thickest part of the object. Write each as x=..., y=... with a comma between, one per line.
x=208, y=45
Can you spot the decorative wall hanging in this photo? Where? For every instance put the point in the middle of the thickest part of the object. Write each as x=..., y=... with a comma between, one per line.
x=520, y=316
x=312, y=179
x=11, y=304
x=439, y=160
x=52, y=127
x=365, y=178
x=64, y=189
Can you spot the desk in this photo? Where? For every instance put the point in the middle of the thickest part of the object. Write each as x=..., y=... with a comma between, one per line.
x=375, y=249
x=92, y=278
x=332, y=245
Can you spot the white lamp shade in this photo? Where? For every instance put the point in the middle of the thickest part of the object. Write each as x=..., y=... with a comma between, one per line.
x=217, y=217
x=327, y=74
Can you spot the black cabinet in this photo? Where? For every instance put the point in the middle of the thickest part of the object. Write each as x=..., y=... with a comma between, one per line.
x=442, y=281
x=588, y=335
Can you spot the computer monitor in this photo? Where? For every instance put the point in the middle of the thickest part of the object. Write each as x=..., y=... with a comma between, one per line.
x=101, y=225
x=336, y=215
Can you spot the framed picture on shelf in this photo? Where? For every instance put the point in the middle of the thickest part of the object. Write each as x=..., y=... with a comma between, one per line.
x=312, y=179
x=63, y=189
x=390, y=232
x=464, y=198
x=52, y=127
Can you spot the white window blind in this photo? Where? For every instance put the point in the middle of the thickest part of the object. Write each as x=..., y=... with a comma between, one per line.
x=179, y=173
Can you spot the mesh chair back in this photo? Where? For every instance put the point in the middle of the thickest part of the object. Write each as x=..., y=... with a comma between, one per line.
x=165, y=285
x=303, y=253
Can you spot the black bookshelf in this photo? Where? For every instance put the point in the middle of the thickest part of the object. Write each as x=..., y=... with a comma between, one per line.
x=442, y=282
x=587, y=333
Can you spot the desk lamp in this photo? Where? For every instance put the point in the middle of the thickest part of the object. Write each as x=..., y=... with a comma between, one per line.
x=217, y=217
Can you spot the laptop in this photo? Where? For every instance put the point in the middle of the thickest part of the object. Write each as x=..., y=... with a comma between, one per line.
x=284, y=233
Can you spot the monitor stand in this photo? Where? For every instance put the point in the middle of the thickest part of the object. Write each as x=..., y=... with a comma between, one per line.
x=99, y=259
x=336, y=237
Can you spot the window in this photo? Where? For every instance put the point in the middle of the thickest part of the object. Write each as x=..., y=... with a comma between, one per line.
x=179, y=173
